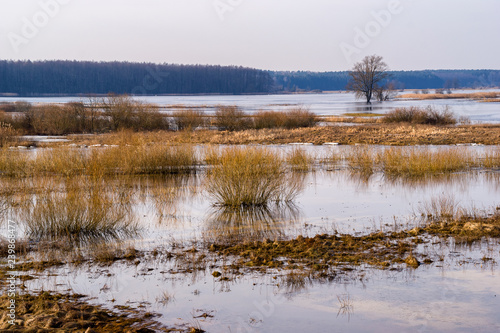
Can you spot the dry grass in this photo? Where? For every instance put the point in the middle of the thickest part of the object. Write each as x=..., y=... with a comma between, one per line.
x=362, y=159
x=248, y=177
x=478, y=95
x=491, y=158
x=82, y=211
x=300, y=160
x=416, y=115
x=414, y=162
x=140, y=159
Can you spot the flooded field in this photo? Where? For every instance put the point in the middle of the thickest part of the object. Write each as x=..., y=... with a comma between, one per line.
x=163, y=242
x=321, y=104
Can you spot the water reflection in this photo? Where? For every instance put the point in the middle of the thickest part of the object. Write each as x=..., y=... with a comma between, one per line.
x=250, y=223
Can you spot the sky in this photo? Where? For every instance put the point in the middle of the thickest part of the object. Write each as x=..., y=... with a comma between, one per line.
x=312, y=35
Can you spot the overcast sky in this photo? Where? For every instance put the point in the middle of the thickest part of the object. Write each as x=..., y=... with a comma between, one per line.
x=317, y=35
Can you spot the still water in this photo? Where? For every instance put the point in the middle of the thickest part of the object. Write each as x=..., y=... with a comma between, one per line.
x=322, y=104
x=460, y=292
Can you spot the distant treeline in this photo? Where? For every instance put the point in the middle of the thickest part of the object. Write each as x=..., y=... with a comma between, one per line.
x=427, y=79
x=34, y=78
x=42, y=78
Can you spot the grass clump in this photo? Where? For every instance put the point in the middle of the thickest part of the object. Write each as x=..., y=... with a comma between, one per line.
x=248, y=177
x=362, y=159
x=142, y=159
x=416, y=115
x=78, y=213
x=300, y=160
x=414, y=162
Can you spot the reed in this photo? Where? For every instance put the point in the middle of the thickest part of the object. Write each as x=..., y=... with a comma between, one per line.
x=248, y=177
x=414, y=162
x=361, y=159
x=491, y=159
x=81, y=212
x=300, y=160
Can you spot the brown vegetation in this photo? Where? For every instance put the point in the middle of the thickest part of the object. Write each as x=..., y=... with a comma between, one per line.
x=478, y=95
x=46, y=312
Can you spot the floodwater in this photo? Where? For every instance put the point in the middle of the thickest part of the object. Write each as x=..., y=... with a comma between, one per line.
x=458, y=292
x=322, y=104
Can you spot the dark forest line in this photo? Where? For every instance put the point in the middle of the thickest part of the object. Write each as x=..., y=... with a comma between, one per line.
x=43, y=78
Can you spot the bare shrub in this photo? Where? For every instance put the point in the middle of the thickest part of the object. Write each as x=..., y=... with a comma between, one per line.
x=188, y=119
x=416, y=115
x=231, y=118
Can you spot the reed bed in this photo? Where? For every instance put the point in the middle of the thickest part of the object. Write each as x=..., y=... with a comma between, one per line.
x=248, y=177
x=81, y=211
x=141, y=159
x=414, y=162
x=362, y=159
x=491, y=159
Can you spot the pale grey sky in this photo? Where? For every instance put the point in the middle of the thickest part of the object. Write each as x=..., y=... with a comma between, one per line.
x=317, y=35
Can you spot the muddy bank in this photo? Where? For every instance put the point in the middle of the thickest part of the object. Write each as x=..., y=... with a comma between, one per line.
x=46, y=312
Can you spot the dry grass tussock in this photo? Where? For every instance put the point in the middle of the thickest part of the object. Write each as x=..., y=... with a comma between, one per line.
x=81, y=211
x=300, y=160
x=248, y=177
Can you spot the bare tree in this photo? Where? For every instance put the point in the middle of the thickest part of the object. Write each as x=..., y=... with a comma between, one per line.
x=367, y=76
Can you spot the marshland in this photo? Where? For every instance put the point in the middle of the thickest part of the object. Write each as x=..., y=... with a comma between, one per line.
x=243, y=214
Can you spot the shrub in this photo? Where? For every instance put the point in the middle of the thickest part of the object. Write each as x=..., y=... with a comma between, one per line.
x=231, y=118
x=7, y=134
x=125, y=113
x=295, y=118
x=188, y=119
x=416, y=115
x=300, y=117
x=269, y=119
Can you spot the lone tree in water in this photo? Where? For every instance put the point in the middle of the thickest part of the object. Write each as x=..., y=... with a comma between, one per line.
x=367, y=76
